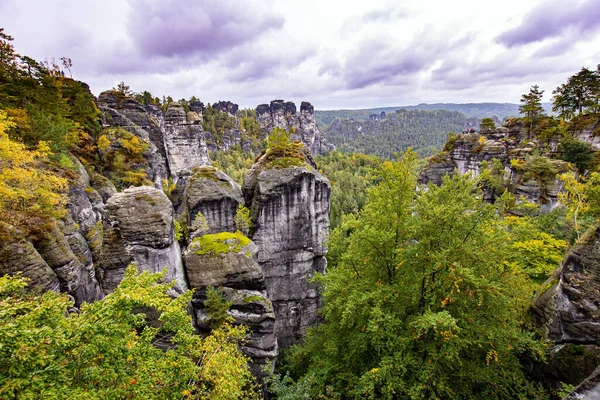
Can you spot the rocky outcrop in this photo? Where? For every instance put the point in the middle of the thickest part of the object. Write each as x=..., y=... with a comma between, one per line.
x=75, y=278
x=128, y=114
x=214, y=194
x=467, y=153
x=138, y=227
x=226, y=107
x=20, y=256
x=303, y=126
x=227, y=261
x=290, y=212
x=185, y=141
x=589, y=389
x=566, y=310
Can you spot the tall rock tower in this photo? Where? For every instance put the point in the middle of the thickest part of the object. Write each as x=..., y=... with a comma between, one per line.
x=290, y=211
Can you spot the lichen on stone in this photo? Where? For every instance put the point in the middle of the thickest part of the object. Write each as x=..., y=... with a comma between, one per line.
x=220, y=243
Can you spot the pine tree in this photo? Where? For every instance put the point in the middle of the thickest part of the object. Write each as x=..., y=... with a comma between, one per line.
x=531, y=106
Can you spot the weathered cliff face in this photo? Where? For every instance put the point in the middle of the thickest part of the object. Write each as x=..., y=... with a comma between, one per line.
x=185, y=140
x=138, y=227
x=214, y=194
x=467, y=153
x=566, y=310
x=75, y=277
x=176, y=138
x=283, y=115
x=20, y=256
x=131, y=116
x=228, y=262
x=290, y=211
x=590, y=133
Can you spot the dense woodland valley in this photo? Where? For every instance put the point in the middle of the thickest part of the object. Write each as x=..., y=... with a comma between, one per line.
x=161, y=249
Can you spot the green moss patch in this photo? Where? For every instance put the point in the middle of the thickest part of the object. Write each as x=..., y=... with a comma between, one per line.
x=220, y=243
x=205, y=171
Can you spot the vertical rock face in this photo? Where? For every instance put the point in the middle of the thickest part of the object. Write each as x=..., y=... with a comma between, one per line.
x=231, y=266
x=133, y=117
x=566, y=310
x=20, y=256
x=283, y=115
x=138, y=227
x=290, y=210
x=185, y=142
x=75, y=278
x=216, y=196
x=465, y=153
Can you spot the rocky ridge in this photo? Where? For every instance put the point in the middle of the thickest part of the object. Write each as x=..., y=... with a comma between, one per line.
x=303, y=125
x=174, y=218
x=508, y=145
x=566, y=311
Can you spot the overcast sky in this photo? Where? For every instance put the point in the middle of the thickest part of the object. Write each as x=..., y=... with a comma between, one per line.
x=335, y=54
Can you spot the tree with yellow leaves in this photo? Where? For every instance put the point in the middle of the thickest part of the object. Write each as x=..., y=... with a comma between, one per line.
x=30, y=196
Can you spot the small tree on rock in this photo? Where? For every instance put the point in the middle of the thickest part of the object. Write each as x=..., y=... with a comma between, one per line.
x=531, y=106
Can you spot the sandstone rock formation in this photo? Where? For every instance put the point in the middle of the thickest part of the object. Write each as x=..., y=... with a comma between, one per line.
x=75, y=278
x=290, y=211
x=466, y=153
x=566, y=310
x=22, y=257
x=215, y=195
x=138, y=227
x=185, y=141
x=283, y=115
x=228, y=261
x=131, y=116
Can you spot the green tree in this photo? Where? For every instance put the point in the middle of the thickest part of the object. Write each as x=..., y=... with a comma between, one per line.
x=577, y=152
x=106, y=350
x=422, y=299
x=531, y=106
x=487, y=125
x=580, y=92
x=242, y=219
x=123, y=90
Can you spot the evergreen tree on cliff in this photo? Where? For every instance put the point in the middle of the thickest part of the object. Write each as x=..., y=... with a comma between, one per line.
x=531, y=106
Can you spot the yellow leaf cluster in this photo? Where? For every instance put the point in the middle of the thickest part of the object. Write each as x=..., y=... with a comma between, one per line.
x=29, y=195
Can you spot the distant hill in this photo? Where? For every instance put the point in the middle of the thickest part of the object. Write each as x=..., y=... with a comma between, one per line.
x=424, y=131
x=473, y=110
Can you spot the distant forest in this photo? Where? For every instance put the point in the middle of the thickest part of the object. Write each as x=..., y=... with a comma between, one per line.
x=425, y=131
x=474, y=110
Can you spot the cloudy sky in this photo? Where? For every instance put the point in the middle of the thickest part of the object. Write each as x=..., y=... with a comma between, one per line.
x=333, y=53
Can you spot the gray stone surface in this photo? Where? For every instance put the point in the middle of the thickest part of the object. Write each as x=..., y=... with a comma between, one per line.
x=290, y=210
x=236, y=269
x=22, y=257
x=283, y=115
x=75, y=278
x=138, y=227
x=185, y=143
x=216, y=196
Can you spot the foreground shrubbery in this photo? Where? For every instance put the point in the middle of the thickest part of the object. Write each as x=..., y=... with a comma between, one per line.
x=107, y=351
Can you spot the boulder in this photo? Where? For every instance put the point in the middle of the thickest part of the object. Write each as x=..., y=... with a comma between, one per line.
x=138, y=227
x=214, y=194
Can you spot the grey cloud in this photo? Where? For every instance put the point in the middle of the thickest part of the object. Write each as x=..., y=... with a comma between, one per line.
x=192, y=27
x=384, y=62
x=455, y=74
x=551, y=19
